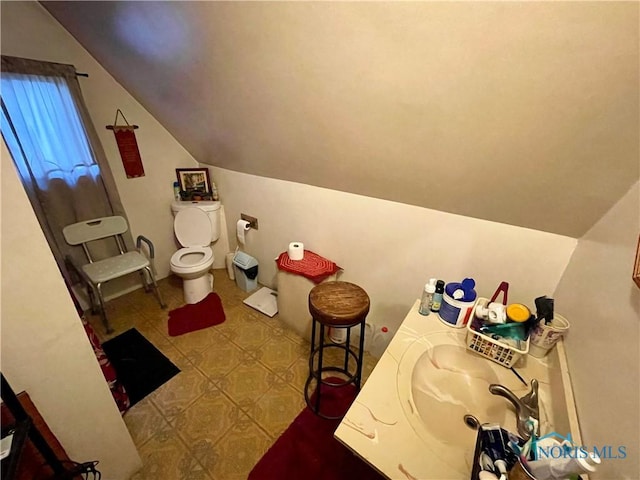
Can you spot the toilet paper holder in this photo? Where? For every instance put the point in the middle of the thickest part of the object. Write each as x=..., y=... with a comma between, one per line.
x=253, y=221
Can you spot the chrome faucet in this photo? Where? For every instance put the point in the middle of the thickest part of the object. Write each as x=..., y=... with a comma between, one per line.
x=526, y=407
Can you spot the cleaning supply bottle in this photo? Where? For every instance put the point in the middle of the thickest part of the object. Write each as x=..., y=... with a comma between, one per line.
x=176, y=190
x=437, y=296
x=427, y=297
x=380, y=341
x=214, y=192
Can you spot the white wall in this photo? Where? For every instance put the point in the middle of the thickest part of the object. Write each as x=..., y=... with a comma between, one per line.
x=45, y=350
x=28, y=30
x=596, y=294
x=388, y=248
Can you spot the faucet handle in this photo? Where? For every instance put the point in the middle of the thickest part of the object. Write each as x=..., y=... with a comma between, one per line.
x=526, y=408
x=531, y=401
x=531, y=398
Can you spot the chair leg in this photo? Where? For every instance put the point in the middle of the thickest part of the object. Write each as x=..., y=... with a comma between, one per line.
x=145, y=281
x=92, y=299
x=155, y=287
x=103, y=311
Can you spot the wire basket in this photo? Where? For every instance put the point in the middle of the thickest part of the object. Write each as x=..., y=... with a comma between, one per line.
x=502, y=353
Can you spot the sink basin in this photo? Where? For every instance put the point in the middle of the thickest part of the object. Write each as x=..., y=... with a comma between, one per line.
x=439, y=382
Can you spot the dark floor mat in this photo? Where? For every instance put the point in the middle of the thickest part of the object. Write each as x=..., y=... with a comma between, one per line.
x=140, y=366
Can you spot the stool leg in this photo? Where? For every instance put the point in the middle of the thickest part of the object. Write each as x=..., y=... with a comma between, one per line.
x=346, y=352
x=313, y=336
x=360, y=355
x=319, y=382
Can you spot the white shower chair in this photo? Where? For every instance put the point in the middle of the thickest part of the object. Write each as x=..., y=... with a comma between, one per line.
x=97, y=272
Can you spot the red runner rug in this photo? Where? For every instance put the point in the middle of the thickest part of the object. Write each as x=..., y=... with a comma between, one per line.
x=196, y=316
x=307, y=450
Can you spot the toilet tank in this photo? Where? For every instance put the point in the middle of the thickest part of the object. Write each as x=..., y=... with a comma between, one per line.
x=210, y=207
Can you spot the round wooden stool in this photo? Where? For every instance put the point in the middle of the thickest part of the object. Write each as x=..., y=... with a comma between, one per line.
x=336, y=305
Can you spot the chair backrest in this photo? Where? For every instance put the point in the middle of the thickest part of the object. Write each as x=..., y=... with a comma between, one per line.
x=89, y=230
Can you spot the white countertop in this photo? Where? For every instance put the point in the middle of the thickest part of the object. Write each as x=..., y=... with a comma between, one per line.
x=383, y=425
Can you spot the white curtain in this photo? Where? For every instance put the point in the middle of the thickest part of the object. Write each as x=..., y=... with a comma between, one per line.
x=49, y=129
x=56, y=150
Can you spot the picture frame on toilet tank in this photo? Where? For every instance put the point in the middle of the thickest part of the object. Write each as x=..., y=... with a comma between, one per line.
x=194, y=181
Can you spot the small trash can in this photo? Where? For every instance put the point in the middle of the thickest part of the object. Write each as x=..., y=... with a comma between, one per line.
x=245, y=268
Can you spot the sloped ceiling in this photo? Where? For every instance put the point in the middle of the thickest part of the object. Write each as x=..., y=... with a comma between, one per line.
x=522, y=113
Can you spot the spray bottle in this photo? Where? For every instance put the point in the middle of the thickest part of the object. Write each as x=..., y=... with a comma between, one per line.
x=426, y=301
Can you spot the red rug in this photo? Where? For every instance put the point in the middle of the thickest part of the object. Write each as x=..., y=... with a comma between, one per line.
x=196, y=316
x=307, y=450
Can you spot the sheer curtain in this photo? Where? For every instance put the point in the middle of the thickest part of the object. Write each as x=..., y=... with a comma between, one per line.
x=56, y=150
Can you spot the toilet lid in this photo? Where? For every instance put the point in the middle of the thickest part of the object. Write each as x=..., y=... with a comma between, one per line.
x=192, y=228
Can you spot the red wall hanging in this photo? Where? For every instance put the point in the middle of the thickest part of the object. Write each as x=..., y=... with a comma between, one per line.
x=128, y=147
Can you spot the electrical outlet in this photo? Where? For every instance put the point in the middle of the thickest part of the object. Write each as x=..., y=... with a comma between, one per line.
x=253, y=221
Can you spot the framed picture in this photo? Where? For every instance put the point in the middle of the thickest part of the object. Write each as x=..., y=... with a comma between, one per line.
x=194, y=183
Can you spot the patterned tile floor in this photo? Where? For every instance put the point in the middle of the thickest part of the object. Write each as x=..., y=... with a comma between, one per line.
x=240, y=386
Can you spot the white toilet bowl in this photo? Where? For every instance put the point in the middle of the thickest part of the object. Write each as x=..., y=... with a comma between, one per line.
x=192, y=264
x=195, y=226
x=190, y=261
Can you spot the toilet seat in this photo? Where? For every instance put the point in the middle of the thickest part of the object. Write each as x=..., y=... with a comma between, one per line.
x=190, y=259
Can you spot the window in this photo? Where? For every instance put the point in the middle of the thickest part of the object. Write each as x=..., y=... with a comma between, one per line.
x=56, y=150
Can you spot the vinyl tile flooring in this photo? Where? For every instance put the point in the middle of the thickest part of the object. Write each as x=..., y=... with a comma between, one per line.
x=240, y=385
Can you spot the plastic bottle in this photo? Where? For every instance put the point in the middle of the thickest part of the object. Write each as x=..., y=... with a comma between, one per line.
x=427, y=297
x=338, y=335
x=437, y=296
x=214, y=192
x=176, y=190
x=380, y=341
x=563, y=467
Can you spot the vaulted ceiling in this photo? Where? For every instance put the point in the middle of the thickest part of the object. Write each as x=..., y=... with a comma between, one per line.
x=525, y=113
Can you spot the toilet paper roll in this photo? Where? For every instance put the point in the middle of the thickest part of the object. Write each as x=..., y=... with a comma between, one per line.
x=241, y=227
x=296, y=251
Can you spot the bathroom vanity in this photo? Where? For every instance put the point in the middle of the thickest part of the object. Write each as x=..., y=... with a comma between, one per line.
x=408, y=419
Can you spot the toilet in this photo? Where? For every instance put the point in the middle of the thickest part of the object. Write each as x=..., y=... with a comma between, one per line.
x=196, y=225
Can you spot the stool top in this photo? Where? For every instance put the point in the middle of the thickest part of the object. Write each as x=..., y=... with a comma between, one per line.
x=338, y=303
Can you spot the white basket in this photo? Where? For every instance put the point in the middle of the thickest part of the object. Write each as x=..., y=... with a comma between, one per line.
x=482, y=344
